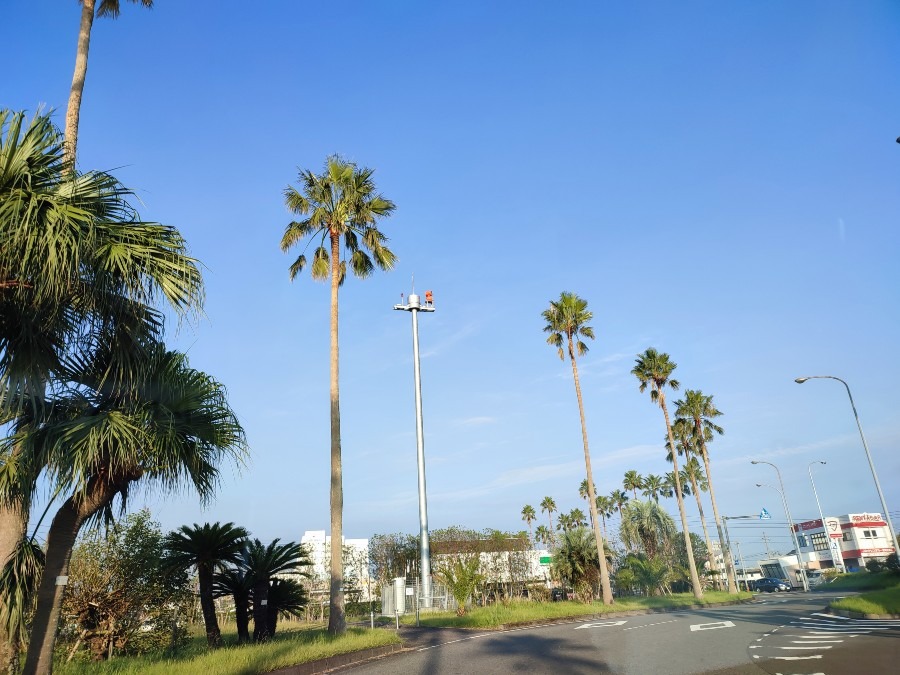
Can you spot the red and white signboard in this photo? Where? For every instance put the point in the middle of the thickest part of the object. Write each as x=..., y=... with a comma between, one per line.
x=866, y=519
x=833, y=528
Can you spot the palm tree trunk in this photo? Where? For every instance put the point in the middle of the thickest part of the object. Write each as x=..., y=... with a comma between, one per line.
x=73, y=110
x=13, y=529
x=68, y=520
x=726, y=553
x=242, y=618
x=337, y=623
x=710, y=558
x=208, y=607
x=261, y=611
x=695, y=580
x=606, y=589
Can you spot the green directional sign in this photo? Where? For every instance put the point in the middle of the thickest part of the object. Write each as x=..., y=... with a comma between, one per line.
x=545, y=559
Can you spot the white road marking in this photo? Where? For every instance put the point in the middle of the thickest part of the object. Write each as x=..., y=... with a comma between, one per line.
x=797, y=658
x=712, y=626
x=802, y=674
x=647, y=625
x=812, y=640
x=599, y=625
x=827, y=647
x=832, y=616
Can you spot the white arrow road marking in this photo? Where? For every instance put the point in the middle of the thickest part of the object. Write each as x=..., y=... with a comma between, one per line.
x=599, y=625
x=712, y=626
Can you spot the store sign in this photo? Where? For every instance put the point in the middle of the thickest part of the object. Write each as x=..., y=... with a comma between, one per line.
x=866, y=519
x=836, y=557
x=833, y=528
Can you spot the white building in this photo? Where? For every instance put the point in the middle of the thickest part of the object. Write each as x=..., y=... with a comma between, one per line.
x=356, y=563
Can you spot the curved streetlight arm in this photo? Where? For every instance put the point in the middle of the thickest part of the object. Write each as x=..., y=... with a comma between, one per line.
x=787, y=512
x=887, y=515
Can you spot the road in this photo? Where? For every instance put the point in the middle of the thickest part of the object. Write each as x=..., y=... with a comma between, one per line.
x=777, y=634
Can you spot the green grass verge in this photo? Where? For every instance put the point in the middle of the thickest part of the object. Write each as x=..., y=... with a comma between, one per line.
x=519, y=612
x=877, y=602
x=861, y=581
x=289, y=648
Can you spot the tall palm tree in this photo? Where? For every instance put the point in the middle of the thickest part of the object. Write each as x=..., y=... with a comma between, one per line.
x=548, y=505
x=583, y=492
x=618, y=498
x=340, y=204
x=633, y=481
x=564, y=522
x=653, y=487
x=207, y=547
x=577, y=518
x=654, y=370
x=683, y=431
x=701, y=409
x=264, y=563
x=108, y=8
x=543, y=534
x=103, y=434
x=567, y=322
x=529, y=516
x=604, y=509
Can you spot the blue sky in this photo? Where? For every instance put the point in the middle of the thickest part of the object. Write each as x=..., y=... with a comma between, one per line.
x=718, y=180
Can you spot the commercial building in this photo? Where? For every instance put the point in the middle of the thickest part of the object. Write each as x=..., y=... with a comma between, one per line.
x=356, y=564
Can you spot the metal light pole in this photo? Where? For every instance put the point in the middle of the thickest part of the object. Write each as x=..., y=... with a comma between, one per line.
x=884, y=508
x=787, y=512
x=819, y=506
x=414, y=306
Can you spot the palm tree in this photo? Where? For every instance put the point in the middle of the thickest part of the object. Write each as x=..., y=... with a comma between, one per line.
x=576, y=562
x=633, y=481
x=103, y=434
x=567, y=322
x=653, y=487
x=236, y=583
x=543, y=534
x=342, y=203
x=263, y=563
x=683, y=431
x=576, y=516
x=564, y=522
x=529, y=516
x=108, y=8
x=548, y=505
x=604, y=509
x=701, y=409
x=208, y=548
x=654, y=370
x=646, y=524
x=618, y=498
x=583, y=492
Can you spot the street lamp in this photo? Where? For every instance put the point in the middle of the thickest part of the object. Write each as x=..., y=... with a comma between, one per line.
x=884, y=508
x=414, y=306
x=836, y=563
x=787, y=512
x=729, y=556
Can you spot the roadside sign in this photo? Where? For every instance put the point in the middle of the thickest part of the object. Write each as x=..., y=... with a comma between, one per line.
x=764, y=515
x=833, y=528
x=545, y=559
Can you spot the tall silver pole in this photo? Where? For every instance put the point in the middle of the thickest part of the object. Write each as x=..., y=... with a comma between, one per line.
x=725, y=520
x=884, y=508
x=414, y=307
x=743, y=566
x=819, y=506
x=787, y=512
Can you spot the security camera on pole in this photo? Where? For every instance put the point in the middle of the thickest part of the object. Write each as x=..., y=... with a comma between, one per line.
x=414, y=306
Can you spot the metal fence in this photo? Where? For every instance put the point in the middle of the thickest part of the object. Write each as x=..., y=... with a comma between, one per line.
x=406, y=596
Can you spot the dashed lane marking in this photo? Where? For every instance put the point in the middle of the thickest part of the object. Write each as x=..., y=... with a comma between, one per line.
x=647, y=625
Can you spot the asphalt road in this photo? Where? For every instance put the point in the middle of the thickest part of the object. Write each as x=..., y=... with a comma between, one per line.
x=786, y=634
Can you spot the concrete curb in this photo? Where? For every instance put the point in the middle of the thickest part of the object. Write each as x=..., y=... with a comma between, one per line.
x=860, y=615
x=338, y=661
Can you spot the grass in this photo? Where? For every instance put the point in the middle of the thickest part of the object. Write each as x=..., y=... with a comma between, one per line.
x=861, y=581
x=288, y=648
x=885, y=601
x=497, y=615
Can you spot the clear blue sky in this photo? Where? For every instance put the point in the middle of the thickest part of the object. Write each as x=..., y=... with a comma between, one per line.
x=718, y=180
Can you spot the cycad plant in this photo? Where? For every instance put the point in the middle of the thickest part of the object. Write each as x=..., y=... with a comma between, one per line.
x=264, y=563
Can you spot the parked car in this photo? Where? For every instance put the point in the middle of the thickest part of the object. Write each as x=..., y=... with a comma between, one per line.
x=771, y=585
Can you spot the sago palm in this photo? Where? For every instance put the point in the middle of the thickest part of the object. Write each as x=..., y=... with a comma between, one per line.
x=207, y=547
x=702, y=411
x=567, y=323
x=237, y=584
x=339, y=206
x=654, y=371
x=263, y=563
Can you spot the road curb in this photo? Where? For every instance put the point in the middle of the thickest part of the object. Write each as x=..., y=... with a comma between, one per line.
x=339, y=661
x=860, y=615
